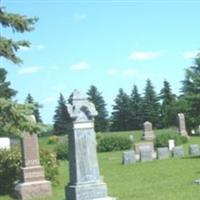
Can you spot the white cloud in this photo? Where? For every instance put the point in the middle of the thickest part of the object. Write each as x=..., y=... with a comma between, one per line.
x=79, y=17
x=29, y=70
x=49, y=100
x=129, y=72
x=113, y=71
x=39, y=46
x=191, y=54
x=144, y=55
x=80, y=66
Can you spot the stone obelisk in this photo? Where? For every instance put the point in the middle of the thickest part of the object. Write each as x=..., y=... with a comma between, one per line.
x=85, y=180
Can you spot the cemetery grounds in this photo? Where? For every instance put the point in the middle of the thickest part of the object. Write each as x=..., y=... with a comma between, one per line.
x=170, y=179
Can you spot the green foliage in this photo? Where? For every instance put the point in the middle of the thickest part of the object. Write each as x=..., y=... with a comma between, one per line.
x=62, y=150
x=29, y=99
x=53, y=139
x=18, y=23
x=191, y=94
x=162, y=139
x=62, y=119
x=51, y=165
x=136, y=121
x=168, y=103
x=121, y=112
x=5, y=90
x=9, y=170
x=101, y=122
x=14, y=118
x=11, y=161
x=113, y=143
x=151, y=106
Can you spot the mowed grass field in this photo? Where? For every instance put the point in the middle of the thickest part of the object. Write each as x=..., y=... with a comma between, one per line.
x=170, y=179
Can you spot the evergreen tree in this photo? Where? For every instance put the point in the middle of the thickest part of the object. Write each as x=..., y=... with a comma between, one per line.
x=151, y=105
x=191, y=94
x=13, y=116
x=5, y=90
x=61, y=117
x=136, y=109
x=121, y=112
x=101, y=122
x=36, y=112
x=168, y=102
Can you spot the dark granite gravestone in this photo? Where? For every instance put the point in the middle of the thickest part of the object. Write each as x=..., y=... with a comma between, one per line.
x=33, y=183
x=85, y=180
x=146, y=154
x=178, y=152
x=194, y=150
x=148, y=133
x=181, y=125
x=128, y=157
x=162, y=153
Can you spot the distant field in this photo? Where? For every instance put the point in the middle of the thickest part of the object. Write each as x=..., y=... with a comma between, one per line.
x=156, y=180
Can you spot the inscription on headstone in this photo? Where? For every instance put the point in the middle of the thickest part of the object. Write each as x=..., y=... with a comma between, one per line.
x=148, y=133
x=178, y=152
x=33, y=183
x=181, y=125
x=138, y=146
x=194, y=150
x=85, y=180
x=163, y=153
x=128, y=157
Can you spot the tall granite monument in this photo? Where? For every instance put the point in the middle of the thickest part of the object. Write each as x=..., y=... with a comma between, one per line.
x=181, y=125
x=85, y=180
x=33, y=183
x=148, y=133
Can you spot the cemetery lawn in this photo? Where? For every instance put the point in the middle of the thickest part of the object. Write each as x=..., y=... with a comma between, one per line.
x=156, y=180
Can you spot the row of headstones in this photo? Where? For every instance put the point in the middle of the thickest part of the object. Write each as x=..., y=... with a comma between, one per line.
x=148, y=133
x=147, y=154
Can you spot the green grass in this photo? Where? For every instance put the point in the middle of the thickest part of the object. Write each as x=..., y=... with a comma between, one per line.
x=156, y=180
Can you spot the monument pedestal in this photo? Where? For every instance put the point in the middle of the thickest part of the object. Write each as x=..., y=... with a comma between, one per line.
x=30, y=190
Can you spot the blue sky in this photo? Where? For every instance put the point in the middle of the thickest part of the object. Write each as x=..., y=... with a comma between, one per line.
x=111, y=44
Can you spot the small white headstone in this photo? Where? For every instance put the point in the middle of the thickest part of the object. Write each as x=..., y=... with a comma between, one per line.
x=4, y=143
x=193, y=132
x=171, y=144
x=131, y=138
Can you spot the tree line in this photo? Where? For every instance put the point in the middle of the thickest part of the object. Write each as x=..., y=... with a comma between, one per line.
x=129, y=110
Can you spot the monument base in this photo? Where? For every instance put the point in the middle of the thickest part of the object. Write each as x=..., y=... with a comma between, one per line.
x=30, y=190
x=148, y=138
x=87, y=192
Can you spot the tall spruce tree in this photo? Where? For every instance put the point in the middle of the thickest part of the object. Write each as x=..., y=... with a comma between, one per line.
x=191, y=94
x=101, y=121
x=29, y=99
x=121, y=112
x=61, y=117
x=5, y=90
x=135, y=109
x=13, y=116
x=168, y=102
x=151, y=105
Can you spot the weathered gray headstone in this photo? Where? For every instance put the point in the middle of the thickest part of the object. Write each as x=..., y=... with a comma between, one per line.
x=33, y=183
x=128, y=157
x=178, y=152
x=181, y=125
x=194, y=150
x=163, y=153
x=4, y=143
x=146, y=154
x=85, y=180
x=148, y=133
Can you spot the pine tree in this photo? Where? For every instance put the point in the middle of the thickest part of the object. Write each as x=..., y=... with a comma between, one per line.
x=61, y=117
x=168, y=102
x=136, y=109
x=5, y=90
x=121, y=112
x=191, y=94
x=101, y=121
x=29, y=99
x=151, y=105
